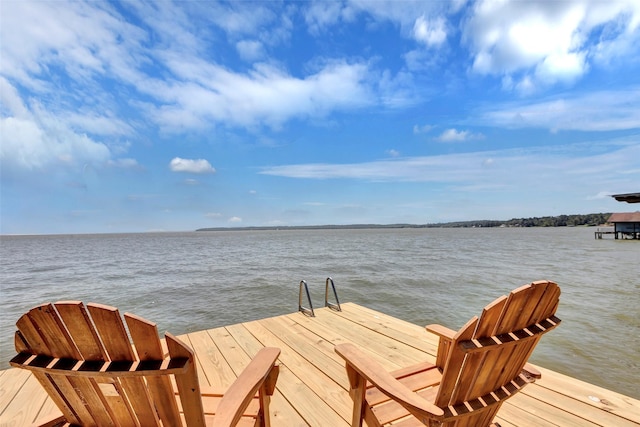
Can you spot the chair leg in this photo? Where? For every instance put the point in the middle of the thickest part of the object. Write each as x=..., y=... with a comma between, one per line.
x=358, y=390
x=263, y=415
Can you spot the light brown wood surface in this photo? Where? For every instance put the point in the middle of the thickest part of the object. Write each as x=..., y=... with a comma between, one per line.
x=312, y=386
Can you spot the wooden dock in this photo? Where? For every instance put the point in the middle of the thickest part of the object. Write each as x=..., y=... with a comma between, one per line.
x=599, y=233
x=312, y=387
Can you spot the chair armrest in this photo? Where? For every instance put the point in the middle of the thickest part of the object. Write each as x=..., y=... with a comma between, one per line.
x=532, y=371
x=441, y=331
x=262, y=371
x=375, y=374
x=444, y=343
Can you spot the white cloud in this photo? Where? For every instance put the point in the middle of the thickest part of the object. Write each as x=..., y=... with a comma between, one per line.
x=125, y=163
x=610, y=164
x=250, y=50
x=421, y=129
x=44, y=53
x=550, y=41
x=397, y=91
x=322, y=14
x=31, y=145
x=266, y=95
x=597, y=111
x=430, y=32
x=35, y=139
x=238, y=18
x=39, y=35
x=421, y=20
x=510, y=35
x=454, y=135
x=235, y=219
x=45, y=124
x=91, y=122
x=199, y=166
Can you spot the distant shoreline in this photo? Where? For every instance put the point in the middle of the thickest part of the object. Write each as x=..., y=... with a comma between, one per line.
x=590, y=220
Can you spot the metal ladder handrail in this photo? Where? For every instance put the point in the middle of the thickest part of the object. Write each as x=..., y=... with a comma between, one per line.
x=306, y=311
x=331, y=305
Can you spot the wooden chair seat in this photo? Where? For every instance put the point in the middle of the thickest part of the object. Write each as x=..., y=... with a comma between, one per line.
x=101, y=373
x=476, y=369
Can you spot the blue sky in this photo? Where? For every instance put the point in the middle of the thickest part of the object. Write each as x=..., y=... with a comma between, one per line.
x=143, y=116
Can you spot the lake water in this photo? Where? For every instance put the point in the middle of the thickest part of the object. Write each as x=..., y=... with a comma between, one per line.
x=199, y=280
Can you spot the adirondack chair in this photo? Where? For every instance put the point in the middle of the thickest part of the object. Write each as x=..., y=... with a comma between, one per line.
x=476, y=369
x=98, y=375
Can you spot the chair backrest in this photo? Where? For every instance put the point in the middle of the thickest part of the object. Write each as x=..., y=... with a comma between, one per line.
x=485, y=360
x=98, y=374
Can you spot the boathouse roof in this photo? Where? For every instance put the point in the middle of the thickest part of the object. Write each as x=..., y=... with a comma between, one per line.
x=625, y=217
x=628, y=197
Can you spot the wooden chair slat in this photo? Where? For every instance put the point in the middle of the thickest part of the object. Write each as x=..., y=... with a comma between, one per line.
x=187, y=383
x=53, y=332
x=548, y=303
x=536, y=307
x=516, y=304
x=20, y=343
x=490, y=317
x=148, y=347
x=68, y=391
x=144, y=335
x=30, y=335
x=78, y=323
x=112, y=332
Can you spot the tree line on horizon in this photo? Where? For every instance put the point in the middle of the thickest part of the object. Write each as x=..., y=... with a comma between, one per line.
x=545, y=221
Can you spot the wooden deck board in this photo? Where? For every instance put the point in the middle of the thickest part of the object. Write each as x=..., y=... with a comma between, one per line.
x=312, y=388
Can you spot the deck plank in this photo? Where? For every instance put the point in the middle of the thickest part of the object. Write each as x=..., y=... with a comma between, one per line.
x=399, y=330
x=12, y=381
x=311, y=389
x=586, y=396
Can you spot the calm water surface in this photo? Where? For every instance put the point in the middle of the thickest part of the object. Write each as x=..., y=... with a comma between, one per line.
x=192, y=281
